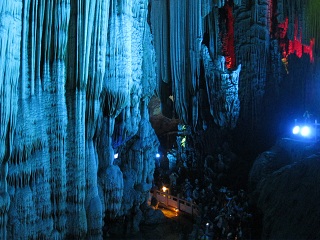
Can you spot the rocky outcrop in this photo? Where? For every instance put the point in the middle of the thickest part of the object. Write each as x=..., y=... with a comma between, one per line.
x=284, y=184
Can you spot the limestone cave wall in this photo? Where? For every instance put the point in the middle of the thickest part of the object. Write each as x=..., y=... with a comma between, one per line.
x=76, y=78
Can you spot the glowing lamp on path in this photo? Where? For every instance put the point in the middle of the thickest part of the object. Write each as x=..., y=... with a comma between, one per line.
x=157, y=155
x=207, y=228
x=296, y=130
x=305, y=131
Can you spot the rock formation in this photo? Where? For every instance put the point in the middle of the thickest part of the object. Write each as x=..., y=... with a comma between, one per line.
x=283, y=182
x=76, y=79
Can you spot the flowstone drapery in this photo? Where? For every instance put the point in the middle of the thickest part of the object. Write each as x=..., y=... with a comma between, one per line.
x=81, y=64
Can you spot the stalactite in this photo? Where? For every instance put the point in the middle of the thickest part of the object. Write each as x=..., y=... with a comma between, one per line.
x=206, y=7
x=20, y=156
x=149, y=77
x=237, y=2
x=291, y=18
x=33, y=44
x=222, y=90
x=81, y=29
x=294, y=11
x=312, y=27
x=195, y=39
x=79, y=94
x=113, y=102
x=61, y=17
x=10, y=36
x=294, y=38
x=212, y=29
x=40, y=8
x=160, y=27
x=73, y=67
x=116, y=91
x=24, y=52
x=133, y=118
x=46, y=40
x=53, y=76
x=228, y=38
x=178, y=57
x=252, y=50
x=121, y=90
x=219, y=3
x=97, y=64
x=119, y=63
x=185, y=45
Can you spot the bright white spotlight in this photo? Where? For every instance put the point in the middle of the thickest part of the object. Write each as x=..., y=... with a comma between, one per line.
x=157, y=155
x=296, y=130
x=116, y=156
x=305, y=131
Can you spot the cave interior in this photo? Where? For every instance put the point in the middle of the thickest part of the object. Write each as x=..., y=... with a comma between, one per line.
x=92, y=91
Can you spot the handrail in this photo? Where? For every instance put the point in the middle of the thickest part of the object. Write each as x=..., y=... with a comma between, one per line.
x=176, y=203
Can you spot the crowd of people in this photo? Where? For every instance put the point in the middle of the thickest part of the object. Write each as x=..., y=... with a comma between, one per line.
x=224, y=212
x=225, y=215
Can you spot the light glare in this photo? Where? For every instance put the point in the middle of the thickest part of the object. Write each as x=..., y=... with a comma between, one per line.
x=305, y=131
x=296, y=130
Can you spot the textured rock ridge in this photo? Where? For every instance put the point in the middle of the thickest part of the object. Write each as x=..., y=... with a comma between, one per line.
x=284, y=182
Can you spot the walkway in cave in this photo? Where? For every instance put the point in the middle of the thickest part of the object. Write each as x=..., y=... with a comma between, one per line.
x=175, y=227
